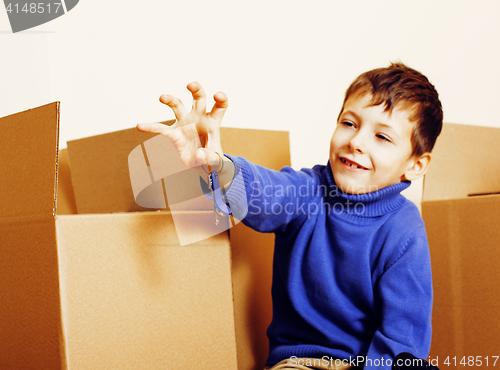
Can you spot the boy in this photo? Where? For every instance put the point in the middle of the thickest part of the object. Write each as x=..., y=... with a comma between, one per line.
x=351, y=273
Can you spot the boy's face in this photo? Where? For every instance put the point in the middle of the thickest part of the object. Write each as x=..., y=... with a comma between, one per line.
x=370, y=149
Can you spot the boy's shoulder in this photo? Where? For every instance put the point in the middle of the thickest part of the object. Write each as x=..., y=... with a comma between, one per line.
x=408, y=216
x=402, y=232
x=404, y=224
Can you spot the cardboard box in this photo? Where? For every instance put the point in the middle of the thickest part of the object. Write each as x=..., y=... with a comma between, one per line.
x=110, y=287
x=461, y=210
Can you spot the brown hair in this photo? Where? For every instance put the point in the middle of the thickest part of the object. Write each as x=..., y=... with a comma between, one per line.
x=405, y=88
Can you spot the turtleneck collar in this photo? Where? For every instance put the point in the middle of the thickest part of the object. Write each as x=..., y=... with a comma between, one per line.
x=373, y=204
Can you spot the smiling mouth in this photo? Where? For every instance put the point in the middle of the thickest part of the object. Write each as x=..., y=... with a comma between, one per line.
x=351, y=164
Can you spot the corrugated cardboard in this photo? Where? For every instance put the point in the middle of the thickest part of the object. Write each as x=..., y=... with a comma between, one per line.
x=462, y=213
x=110, y=288
x=252, y=252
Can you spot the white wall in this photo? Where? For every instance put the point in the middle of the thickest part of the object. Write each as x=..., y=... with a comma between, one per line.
x=284, y=64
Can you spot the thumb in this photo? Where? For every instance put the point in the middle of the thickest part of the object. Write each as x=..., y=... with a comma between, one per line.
x=207, y=157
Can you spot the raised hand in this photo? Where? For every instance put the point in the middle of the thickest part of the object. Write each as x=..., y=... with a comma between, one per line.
x=195, y=134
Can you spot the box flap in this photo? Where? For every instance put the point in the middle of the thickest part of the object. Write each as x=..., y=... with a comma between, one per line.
x=465, y=161
x=99, y=171
x=266, y=148
x=28, y=157
x=101, y=165
x=65, y=196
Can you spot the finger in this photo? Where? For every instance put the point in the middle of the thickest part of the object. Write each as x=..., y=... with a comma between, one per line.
x=156, y=128
x=220, y=106
x=176, y=105
x=199, y=97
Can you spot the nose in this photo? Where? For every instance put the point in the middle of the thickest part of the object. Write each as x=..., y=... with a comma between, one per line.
x=357, y=143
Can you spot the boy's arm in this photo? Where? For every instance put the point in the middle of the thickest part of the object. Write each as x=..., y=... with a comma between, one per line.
x=196, y=134
x=273, y=199
x=405, y=292
x=252, y=191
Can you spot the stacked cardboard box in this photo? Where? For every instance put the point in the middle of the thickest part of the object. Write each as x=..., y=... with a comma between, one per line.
x=111, y=287
x=461, y=210
x=91, y=280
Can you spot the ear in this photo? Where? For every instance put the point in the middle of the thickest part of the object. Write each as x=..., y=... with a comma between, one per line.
x=418, y=167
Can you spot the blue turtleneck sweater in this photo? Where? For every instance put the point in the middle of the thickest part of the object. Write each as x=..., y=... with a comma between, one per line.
x=351, y=273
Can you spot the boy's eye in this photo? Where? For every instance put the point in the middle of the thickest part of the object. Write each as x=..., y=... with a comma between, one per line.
x=383, y=137
x=347, y=123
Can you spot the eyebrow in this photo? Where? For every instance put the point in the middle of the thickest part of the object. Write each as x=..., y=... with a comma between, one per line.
x=349, y=112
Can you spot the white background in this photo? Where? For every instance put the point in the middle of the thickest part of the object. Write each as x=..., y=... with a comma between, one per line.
x=284, y=64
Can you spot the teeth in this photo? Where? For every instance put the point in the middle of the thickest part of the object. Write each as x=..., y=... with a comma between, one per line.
x=344, y=160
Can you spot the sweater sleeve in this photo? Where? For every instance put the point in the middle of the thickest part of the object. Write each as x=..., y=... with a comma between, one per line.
x=268, y=200
x=405, y=292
